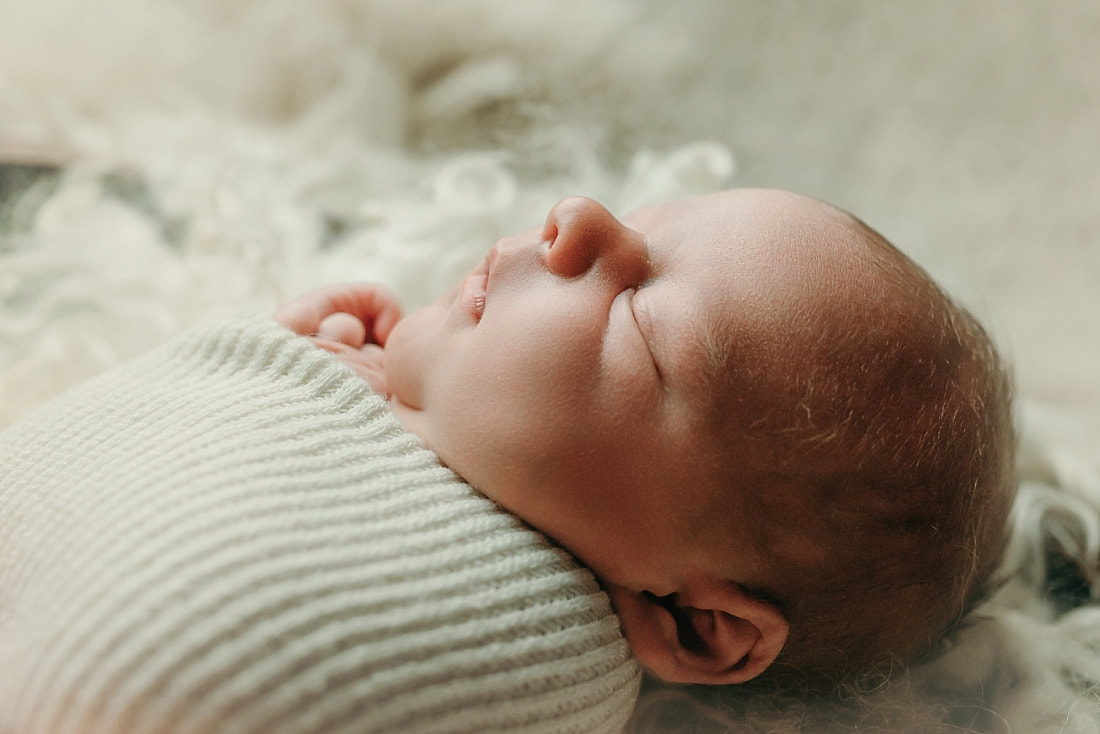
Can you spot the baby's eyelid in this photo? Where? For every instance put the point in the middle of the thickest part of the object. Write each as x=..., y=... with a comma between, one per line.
x=644, y=327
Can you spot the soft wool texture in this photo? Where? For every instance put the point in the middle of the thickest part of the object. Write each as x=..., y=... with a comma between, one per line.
x=221, y=154
x=234, y=534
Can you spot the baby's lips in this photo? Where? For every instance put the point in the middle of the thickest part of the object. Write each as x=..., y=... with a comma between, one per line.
x=473, y=293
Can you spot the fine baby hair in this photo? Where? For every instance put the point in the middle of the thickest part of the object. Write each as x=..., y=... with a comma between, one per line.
x=885, y=499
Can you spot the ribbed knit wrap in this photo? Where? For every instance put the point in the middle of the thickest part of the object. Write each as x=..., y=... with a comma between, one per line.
x=233, y=534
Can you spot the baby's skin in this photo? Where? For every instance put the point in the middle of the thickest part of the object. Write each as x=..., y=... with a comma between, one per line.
x=569, y=377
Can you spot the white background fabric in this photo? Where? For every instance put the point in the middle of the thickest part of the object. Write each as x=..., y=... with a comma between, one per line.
x=272, y=145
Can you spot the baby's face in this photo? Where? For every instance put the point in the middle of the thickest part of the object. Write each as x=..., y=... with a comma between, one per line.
x=567, y=377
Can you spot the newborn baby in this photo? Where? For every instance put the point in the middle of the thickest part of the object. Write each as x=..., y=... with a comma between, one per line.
x=779, y=445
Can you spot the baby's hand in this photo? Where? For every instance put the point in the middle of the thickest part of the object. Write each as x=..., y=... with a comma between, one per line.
x=351, y=320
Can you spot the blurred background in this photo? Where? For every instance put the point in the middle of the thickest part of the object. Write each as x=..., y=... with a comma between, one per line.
x=964, y=130
x=164, y=163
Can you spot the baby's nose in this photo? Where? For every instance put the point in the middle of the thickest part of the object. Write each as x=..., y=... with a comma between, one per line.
x=582, y=232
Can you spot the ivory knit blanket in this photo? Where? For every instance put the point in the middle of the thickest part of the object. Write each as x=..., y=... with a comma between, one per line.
x=234, y=534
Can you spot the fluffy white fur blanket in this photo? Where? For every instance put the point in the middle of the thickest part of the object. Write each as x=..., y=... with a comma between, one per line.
x=224, y=154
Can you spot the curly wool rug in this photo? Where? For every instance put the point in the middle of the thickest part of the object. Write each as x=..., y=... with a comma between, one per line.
x=167, y=163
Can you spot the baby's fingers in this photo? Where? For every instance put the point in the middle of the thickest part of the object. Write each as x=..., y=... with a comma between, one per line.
x=299, y=316
x=343, y=328
x=379, y=311
x=374, y=306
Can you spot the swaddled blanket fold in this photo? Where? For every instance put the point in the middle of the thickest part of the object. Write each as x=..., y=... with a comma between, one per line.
x=234, y=534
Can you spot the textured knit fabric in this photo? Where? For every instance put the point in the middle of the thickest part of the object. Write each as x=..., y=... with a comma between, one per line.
x=234, y=534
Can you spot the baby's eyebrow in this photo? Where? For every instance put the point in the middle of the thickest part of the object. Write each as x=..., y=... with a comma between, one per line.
x=643, y=318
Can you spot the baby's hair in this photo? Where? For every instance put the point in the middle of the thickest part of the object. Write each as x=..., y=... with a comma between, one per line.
x=883, y=507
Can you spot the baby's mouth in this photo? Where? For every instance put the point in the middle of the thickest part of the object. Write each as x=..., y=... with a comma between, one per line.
x=474, y=288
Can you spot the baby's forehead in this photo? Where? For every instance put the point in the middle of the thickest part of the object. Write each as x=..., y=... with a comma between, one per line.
x=770, y=270
x=778, y=238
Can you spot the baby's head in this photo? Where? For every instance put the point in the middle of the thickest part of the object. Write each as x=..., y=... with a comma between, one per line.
x=779, y=445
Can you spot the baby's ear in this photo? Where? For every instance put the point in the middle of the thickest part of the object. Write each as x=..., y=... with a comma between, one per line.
x=714, y=633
